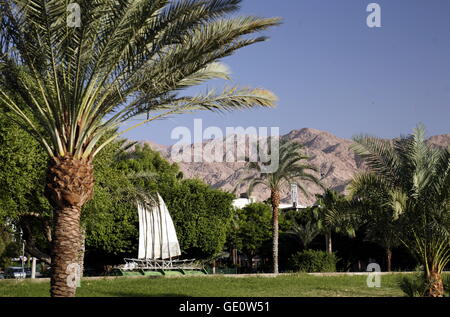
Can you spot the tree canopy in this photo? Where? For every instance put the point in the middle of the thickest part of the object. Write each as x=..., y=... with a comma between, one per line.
x=251, y=228
x=22, y=172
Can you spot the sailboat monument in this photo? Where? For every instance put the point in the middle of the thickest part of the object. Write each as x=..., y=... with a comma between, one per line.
x=158, y=245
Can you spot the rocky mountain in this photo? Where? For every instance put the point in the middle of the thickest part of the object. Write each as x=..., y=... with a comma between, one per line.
x=330, y=154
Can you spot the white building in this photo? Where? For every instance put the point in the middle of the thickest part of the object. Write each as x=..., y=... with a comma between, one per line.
x=240, y=203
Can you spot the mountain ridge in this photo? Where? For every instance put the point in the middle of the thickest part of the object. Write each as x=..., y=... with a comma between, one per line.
x=336, y=162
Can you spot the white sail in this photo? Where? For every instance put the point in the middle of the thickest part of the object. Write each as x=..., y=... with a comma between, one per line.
x=157, y=235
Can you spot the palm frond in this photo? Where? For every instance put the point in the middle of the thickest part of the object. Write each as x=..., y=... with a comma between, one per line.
x=126, y=58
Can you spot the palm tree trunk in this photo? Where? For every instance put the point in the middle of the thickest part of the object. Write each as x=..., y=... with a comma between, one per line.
x=65, y=252
x=275, y=198
x=389, y=259
x=69, y=186
x=328, y=243
x=436, y=285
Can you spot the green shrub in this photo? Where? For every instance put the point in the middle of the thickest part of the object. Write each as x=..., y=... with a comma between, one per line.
x=313, y=261
x=413, y=285
x=417, y=286
x=446, y=280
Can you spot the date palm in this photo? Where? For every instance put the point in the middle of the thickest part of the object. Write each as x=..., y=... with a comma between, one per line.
x=76, y=82
x=372, y=210
x=333, y=214
x=305, y=233
x=416, y=178
x=292, y=169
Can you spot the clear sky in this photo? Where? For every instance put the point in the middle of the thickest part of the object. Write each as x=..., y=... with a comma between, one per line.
x=331, y=72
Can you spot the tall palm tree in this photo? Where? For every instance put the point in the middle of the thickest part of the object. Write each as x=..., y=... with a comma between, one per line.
x=122, y=59
x=417, y=177
x=291, y=170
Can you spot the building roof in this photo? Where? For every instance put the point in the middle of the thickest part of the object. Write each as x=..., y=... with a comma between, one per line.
x=240, y=203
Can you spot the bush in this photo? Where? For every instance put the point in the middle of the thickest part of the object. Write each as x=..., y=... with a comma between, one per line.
x=413, y=285
x=313, y=261
x=417, y=286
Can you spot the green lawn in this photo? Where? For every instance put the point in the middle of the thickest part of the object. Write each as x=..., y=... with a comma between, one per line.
x=296, y=285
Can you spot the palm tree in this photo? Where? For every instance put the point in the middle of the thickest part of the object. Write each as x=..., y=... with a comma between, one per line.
x=333, y=216
x=291, y=170
x=372, y=211
x=417, y=177
x=125, y=58
x=305, y=233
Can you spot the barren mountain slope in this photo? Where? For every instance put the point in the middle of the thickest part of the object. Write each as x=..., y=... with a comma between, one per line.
x=330, y=154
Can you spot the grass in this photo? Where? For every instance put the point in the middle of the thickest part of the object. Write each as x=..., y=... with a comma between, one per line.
x=295, y=285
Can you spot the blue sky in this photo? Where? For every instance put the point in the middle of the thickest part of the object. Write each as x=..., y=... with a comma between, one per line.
x=331, y=72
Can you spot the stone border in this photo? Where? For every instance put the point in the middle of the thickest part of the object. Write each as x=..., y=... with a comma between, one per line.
x=266, y=275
